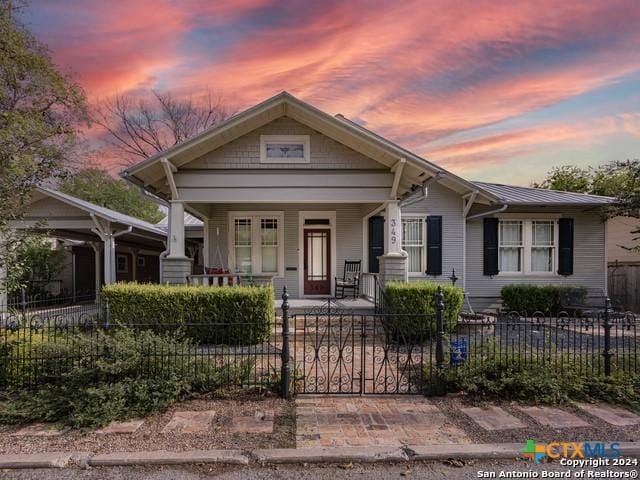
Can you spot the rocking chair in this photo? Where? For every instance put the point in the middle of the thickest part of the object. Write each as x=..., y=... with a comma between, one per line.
x=350, y=279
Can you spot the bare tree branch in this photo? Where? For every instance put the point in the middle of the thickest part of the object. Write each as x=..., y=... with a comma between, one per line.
x=139, y=128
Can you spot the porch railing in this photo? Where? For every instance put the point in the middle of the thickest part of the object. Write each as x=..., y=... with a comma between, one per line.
x=368, y=286
x=228, y=279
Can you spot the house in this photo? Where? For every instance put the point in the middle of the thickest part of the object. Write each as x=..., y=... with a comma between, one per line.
x=623, y=263
x=101, y=245
x=288, y=192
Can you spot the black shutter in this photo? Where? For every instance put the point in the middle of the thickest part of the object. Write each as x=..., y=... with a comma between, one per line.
x=491, y=246
x=434, y=245
x=376, y=242
x=565, y=246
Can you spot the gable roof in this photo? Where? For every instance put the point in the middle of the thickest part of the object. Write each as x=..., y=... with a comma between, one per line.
x=513, y=195
x=103, y=212
x=189, y=221
x=149, y=173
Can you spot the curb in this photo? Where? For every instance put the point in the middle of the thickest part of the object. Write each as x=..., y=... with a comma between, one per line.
x=331, y=455
x=161, y=457
x=486, y=451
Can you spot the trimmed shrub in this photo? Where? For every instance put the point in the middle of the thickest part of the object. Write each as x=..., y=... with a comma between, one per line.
x=417, y=300
x=541, y=298
x=222, y=315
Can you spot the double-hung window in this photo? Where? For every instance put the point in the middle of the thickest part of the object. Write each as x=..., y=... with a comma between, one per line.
x=413, y=242
x=256, y=243
x=527, y=246
x=511, y=242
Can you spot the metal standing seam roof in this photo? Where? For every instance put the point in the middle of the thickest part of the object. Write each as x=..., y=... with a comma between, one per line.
x=189, y=221
x=106, y=213
x=514, y=195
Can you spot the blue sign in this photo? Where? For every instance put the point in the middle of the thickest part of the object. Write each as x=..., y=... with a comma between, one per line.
x=458, y=351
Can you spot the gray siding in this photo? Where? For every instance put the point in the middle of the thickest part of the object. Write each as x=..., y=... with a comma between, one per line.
x=244, y=152
x=589, y=259
x=348, y=236
x=445, y=202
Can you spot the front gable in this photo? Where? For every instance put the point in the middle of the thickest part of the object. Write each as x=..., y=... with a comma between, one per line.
x=244, y=152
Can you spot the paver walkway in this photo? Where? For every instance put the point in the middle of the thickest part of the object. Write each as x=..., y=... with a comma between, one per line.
x=363, y=421
x=493, y=418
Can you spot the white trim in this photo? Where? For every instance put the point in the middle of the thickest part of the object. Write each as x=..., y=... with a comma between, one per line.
x=292, y=139
x=397, y=169
x=331, y=216
x=255, y=217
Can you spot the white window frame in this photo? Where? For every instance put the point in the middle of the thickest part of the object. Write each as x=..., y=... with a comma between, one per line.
x=256, y=240
x=292, y=139
x=423, y=218
x=527, y=244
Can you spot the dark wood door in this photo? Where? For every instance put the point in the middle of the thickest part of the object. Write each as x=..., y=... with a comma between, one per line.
x=317, y=261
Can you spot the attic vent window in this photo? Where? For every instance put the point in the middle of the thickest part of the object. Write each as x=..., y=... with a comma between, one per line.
x=284, y=149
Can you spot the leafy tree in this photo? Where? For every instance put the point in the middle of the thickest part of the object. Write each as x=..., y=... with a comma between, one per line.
x=40, y=109
x=620, y=179
x=95, y=185
x=41, y=263
x=567, y=178
x=141, y=127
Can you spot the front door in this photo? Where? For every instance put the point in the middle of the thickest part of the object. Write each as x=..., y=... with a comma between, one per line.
x=317, y=261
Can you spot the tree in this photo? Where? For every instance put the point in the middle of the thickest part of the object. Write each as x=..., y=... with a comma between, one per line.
x=95, y=185
x=41, y=263
x=40, y=110
x=567, y=178
x=141, y=127
x=620, y=179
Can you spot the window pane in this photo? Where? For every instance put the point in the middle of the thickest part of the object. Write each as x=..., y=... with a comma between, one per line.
x=243, y=259
x=269, y=231
x=285, y=150
x=243, y=231
x=542, y=233
x=414, y=262
x=269, y=259
x=510, y=259
x=412, y=229
x=542, y=259
x=316, y=256
x=511, y=233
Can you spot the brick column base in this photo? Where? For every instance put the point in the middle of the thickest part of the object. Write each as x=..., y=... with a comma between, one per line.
x=175, y=270
x=393, y=268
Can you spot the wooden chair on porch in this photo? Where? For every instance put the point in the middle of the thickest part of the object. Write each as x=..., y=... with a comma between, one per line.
x=350, y=279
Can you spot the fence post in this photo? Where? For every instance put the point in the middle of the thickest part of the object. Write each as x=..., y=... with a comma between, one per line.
x=284, y=369
x=607, y=338
x=440, y=387
x=23, y=300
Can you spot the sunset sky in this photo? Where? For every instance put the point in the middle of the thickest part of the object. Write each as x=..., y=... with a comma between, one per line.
x=496, y=91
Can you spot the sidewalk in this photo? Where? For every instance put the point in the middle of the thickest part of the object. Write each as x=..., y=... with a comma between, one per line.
x=322, y=429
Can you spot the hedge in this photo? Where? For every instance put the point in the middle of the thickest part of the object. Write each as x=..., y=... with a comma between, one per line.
x=222, y=315
x=541, y=298
x=417, y=300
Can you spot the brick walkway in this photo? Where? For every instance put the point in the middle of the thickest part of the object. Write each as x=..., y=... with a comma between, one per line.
x=363, y=421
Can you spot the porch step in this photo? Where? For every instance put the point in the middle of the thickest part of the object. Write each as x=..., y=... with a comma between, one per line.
x=300, y=306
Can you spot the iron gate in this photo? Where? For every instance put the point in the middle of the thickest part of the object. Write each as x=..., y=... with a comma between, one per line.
x=338, y=352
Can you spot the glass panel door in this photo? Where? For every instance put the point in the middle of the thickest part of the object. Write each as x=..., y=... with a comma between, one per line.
x=317, y=274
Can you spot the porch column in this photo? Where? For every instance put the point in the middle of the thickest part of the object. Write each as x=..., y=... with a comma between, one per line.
x=109, y=259
x=176, y=230
x=393, y=264
x=96, y=256
x=206, y=261
x=134, y=263
x=176, y=266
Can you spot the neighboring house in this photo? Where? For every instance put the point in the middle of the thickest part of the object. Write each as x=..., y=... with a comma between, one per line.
x=287, y=191
x=94, y=236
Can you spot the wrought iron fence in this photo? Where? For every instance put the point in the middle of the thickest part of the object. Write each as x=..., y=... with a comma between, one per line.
x=328, y=351
x=42, y=346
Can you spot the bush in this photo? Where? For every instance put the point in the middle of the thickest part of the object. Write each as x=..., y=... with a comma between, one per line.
x=417, y=300
x=541, y=298
x=223, y=315
x=114, y=377
x=506, y=375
